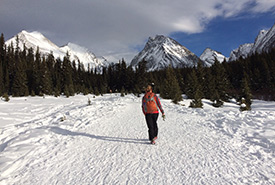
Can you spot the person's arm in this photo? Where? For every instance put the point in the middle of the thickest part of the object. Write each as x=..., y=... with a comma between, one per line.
x=159, y=105
x=143, y=105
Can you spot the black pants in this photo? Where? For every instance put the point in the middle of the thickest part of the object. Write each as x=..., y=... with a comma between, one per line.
x=151, y=120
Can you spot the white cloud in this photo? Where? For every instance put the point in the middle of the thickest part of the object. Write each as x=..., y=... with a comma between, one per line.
x=264, y=6
x=117, y=26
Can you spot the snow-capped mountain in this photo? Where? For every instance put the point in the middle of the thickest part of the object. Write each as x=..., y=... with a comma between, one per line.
x=161, y=51
x=264, y=42
x=76, y=52
x=208, y=57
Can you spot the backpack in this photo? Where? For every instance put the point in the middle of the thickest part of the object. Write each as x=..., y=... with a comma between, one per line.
x=150, y=103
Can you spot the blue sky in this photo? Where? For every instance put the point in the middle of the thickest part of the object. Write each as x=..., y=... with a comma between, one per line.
x=119, y=29
x=226, y=34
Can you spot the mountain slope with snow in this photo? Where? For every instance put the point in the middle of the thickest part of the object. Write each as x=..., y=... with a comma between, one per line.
x=64, y=141
x=161, y=51
x=76, y=52
x=209, y=56
x=265, y=41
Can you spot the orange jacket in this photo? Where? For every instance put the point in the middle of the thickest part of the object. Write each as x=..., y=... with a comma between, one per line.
x=151, y=104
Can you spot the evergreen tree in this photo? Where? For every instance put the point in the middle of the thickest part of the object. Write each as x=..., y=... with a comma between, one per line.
x=213, y=91
x=11, y=68
x=216, y=99
x=209, y=87
x=30, y=72
x=103, y=81
x=196, y=102
x=193, y=85
x=37, y=74
x=122, y=92
x=19, y=79
x=6, y=97
x=194, y=90
x=141, y=76
x=130, y=79
x=50, y=62
x=81, y=76
x=171, y=88
x=1, y=79
x=246, y=96
x=57, y=77
x=2, y=64
x=46, y=83
x=76, y=80
x=19, y=85
x=221, y=80
x=2, y=47
x=67, y=76
x=96, y=92
x=180, y=79
x=200, y=73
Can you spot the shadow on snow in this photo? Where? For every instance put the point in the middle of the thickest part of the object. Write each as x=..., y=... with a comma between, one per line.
x=65, y=132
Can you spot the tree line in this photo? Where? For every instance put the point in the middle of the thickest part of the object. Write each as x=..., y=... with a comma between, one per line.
x=243, y=79
x=25, y=72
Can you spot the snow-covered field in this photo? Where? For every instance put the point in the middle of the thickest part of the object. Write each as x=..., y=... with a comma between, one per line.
x=63, y=141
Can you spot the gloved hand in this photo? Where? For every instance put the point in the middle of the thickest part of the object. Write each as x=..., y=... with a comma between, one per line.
x=163, y=117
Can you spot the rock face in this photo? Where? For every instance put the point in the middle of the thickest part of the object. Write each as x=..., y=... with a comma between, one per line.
x=265, y=41
x=161, y=51
x=243, y=51
x=46, y=47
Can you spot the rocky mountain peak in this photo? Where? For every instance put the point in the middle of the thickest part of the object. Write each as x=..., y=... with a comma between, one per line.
x=161, y=51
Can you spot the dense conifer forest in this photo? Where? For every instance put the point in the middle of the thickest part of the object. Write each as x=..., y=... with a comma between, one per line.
x=24, y=73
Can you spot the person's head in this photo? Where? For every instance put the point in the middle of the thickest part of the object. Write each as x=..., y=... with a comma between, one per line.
x=149, y=87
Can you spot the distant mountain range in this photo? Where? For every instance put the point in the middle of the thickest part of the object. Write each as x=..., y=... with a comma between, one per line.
x=162, y=51
x=159, y=51
x=76, y=52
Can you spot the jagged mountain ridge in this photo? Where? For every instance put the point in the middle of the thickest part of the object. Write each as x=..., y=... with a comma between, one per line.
x=78, y=53
x=242, y=51
x=264, y=42
x=161, y=51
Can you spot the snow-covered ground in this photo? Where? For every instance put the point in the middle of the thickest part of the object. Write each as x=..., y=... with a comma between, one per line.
x=63, y=141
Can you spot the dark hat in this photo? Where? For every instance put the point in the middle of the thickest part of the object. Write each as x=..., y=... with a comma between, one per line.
x=152, y=85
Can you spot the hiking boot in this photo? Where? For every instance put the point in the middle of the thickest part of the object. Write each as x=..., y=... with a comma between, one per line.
x=153, y=141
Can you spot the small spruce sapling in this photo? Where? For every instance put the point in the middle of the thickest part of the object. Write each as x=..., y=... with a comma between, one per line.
x=6, y=97
x=122, y=93
x=89, y=101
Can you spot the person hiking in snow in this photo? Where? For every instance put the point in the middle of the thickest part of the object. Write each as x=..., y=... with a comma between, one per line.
x=150, y=106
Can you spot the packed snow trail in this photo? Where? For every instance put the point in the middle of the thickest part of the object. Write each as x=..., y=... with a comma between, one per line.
x=64, y=141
